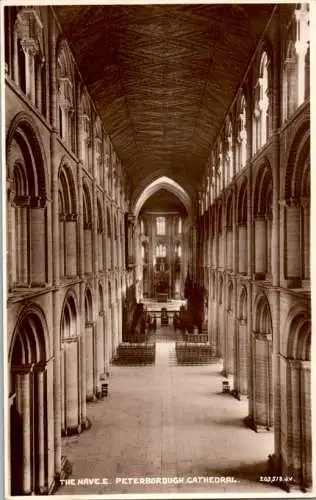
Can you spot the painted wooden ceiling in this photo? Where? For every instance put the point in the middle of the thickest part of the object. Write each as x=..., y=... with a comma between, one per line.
x=163, y=76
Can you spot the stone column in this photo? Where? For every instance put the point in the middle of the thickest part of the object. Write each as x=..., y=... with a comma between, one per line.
x=71, y=245
x=305, y=444
x=242, y=358
x=131, y=238
x=250, y=356
x=56, y=257
x=23, y=396
x=260, y=248
x=242, y=248
x=262, y=387
x=50, y=421
x=89, y=347
x=306, y=237
x=95, y=239
x=37, y=241
x=100, y=354
x=82, y=348
x=88, y=247
x=292, y=250
x=71, y=372
x=234, y=233
x=41, y=425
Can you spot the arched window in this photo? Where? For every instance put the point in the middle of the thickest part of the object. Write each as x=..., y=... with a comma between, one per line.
x=107, y=158
x=109, y=251
x=161, y=226
x=229, y=152
x=161, y=250
x=100, y=236
x=290, y=86
x=85, y=132
x=29, y=56
x=99, y=170
x=65, y=96
x=242, y=135
x=220, y=166
x=261, y=117
x=302, y=50
x=178, y=250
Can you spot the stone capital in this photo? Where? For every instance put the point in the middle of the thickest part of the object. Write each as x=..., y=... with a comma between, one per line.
x=72, y=217
x=23, y=369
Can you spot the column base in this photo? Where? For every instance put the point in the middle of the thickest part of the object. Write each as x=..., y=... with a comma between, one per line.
x=54, y=485
x=66, y=471
x=71, y=431
x=86, y=425
x=91, y=398
x=238, y=395
x=251, y=424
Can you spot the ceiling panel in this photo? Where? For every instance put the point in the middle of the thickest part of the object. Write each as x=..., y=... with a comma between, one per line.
x=163, y=76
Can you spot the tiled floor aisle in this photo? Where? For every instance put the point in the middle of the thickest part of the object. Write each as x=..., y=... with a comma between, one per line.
x=168, y=421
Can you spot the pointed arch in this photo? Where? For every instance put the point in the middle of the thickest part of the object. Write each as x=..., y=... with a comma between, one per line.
x=163, y=182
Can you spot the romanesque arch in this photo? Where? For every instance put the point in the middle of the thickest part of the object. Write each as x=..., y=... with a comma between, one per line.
x=229, y=232
x=100, y=235
x=70, y=366
x=230, y=330
x=30, y=382
x=241, y=355
x=27, y=204
x=296, y=211
x=262, y=395
x=90, y=345
x=242, y=227
x=262, y=211
x=221, y=317
x=87, y=229
x=102, y=343
x=68, y=219
x=296, y=446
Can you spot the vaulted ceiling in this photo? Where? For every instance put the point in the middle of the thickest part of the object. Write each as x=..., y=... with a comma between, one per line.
x=162, y=77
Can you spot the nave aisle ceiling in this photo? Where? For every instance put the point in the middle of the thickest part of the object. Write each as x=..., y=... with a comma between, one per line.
x=163, y=76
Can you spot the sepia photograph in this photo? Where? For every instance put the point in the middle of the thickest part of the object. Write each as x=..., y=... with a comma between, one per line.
x=156, y=173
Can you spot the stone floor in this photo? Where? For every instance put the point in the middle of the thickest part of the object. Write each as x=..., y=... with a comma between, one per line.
x=167, y=421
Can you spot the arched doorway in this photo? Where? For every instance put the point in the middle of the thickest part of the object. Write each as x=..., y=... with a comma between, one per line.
x=69, y=367
x=241, y=357
x=29, y=384
x=220, y=325
x=229, y=344
x=296, y=446
x=90, y=347
x=262, y=394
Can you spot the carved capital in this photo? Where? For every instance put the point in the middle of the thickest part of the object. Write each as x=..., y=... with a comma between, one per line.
x=29, y=28
x=37, y=202
x=22, y=201
x=23, y=369
x=72, y=217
